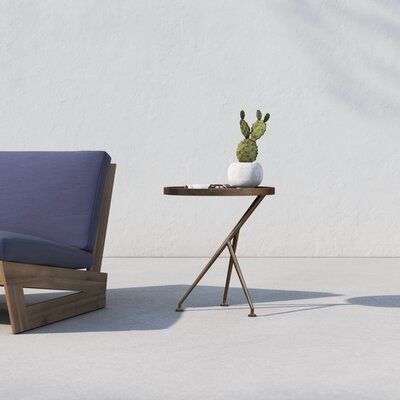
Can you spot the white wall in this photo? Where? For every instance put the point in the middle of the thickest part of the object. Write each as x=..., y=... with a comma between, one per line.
x=159, y=85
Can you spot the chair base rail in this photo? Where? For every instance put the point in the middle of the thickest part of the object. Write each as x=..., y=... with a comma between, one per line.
x=15, y=277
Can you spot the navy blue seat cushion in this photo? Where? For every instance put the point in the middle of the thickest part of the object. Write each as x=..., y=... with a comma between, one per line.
x=53, y=195
x=33, y=250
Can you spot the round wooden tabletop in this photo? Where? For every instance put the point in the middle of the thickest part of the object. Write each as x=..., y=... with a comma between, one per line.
x=231, y=191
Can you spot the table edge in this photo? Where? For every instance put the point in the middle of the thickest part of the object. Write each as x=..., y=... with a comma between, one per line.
x=182, y=191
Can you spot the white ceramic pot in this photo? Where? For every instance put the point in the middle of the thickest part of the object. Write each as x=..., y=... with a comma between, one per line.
x=245, y=174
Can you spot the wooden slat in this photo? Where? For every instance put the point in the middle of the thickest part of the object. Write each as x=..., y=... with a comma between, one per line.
x=53, y=310
x=43, y=277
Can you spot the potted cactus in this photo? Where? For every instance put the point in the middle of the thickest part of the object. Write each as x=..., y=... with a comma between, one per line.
x=247, y=172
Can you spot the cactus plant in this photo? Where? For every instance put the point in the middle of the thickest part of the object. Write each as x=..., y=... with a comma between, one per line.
x=247, y=149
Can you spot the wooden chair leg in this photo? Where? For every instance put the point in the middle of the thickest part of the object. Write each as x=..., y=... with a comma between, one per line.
x=90, y=288
x=16, y=307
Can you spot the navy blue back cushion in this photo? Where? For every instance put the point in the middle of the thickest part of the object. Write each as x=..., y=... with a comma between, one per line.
x=54, y=195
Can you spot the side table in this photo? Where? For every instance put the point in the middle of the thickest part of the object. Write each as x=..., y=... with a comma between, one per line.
x=232, y=239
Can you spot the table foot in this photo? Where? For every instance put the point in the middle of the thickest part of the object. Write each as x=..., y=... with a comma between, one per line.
x=179, y=309
x=252, y=314
x=224, y=305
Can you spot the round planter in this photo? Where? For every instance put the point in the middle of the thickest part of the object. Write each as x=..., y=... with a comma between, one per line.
x=245, y=174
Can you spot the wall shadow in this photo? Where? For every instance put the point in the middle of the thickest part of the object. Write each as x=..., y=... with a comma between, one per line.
x=153, y=307
x=356, y=73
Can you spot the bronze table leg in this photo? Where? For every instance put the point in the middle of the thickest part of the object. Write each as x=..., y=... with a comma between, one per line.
x=242, y=281
x=234, y=234
x=229, y=273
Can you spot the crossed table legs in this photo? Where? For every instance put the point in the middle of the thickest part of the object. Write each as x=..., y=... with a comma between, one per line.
x=231, y=243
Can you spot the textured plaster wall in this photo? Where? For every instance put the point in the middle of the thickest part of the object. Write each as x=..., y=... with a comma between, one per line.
x=159, y=85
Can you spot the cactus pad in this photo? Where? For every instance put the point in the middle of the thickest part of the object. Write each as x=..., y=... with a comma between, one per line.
x=244, y=127
x=247, y=150
x=257, y=129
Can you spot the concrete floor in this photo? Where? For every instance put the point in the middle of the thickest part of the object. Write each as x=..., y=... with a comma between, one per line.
x=326, y=329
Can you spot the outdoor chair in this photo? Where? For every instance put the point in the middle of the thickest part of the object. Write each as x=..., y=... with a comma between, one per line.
x=53, y=218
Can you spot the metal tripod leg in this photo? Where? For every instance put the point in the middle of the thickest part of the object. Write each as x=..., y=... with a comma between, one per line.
x=242, y=281
x=202, y=273
x=225, y=243
x=229, y=273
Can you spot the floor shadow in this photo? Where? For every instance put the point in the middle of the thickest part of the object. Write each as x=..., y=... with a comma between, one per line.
x=153, y=307
x=390, y=301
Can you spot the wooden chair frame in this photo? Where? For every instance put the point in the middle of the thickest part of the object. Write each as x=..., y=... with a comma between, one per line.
x=90, y=285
